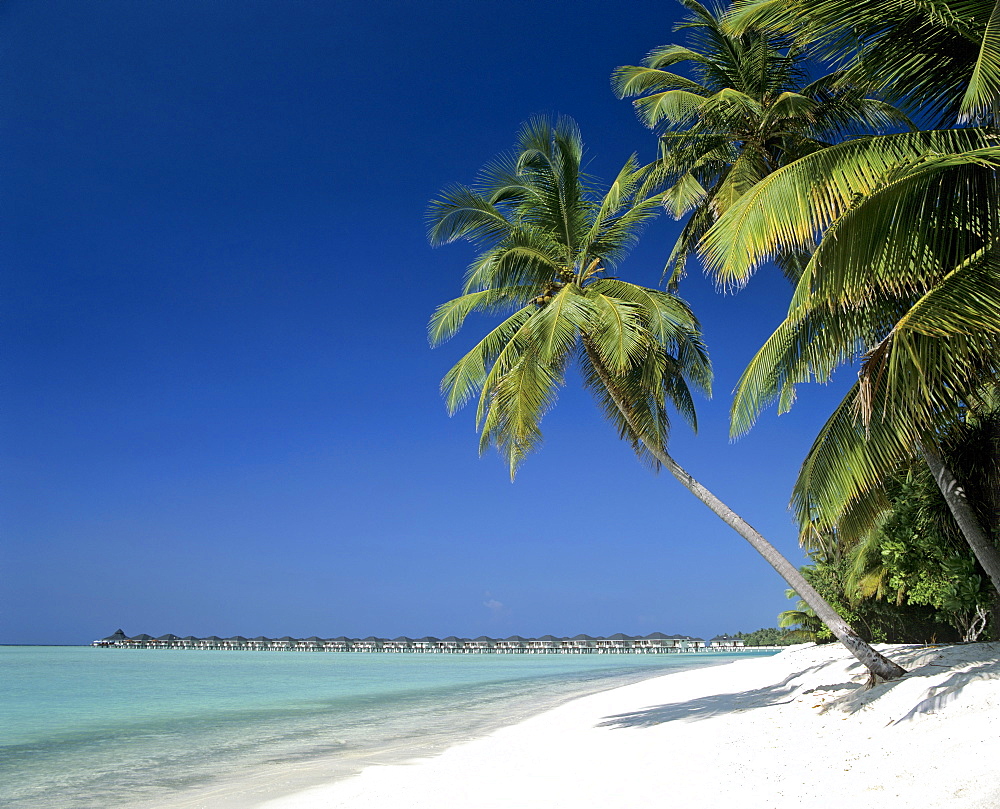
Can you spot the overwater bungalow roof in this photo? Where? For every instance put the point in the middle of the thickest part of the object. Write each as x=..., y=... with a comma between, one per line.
x=619, y=636
x=402, y=639
x=315, y=639
x=168, y=636
x=212, y=638
x=342, y=639
x=517, y=638
x=261, y=639
x=143, y=636
x=189, y=637
x=549, y=637
x=430, y=639
x=484, y=639
x=118, y=635
x=372, y=639
x=453, y=639
x=287, y=639
x=237, y=639
x=582, y=637
x=656, y=636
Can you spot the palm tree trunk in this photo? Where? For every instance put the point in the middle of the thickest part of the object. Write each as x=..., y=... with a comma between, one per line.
x=879, y=667
x=877, y=664
x=985, y=551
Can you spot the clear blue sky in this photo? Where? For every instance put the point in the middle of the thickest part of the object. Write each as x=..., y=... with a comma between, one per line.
x=219, y=411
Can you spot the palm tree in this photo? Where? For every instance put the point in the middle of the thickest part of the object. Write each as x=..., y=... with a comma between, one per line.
x=906, y=277
x=549, y=240
x=802, y=618
x=940, y=60
x=747, y=111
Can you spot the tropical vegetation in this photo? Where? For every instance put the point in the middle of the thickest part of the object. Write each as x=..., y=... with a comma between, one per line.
x=766, y=636
x=904, y=278
x=747, y=108
x=874, y=188
x=549, y=240
x=801, y=623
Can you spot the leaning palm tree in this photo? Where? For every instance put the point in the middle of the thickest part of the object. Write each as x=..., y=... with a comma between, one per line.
x=745, y=109
x=550, y=240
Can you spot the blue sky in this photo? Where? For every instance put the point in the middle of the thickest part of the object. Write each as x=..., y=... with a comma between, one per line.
x=219, y=411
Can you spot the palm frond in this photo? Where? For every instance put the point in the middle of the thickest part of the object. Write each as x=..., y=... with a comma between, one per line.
x=846, y=463
x=788, y=208
x=527, y=257
x=684, y=195
x=618, y=334
x=674, y=108
x=646, y=423
x=513, y=407
x=495, y=352
x=556, y=326
x=461, y=213
x=449, y=317
x=982, y=96
x=633, y=80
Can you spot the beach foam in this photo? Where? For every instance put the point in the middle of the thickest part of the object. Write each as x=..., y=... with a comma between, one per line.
x=793, y=730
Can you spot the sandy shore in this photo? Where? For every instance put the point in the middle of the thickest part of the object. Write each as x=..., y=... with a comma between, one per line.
x=793, y=730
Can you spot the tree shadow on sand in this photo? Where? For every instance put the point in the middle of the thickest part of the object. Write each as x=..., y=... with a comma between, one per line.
x=711, y=705
x=845, y=697
x=940, y=695
x=921, y=663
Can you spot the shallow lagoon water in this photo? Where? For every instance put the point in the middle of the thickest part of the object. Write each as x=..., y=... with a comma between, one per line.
x=83, y=728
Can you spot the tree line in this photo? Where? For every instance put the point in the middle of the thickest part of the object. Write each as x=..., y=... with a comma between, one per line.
x=873, y=189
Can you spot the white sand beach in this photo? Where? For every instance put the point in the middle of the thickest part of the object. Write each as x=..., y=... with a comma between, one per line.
x=793, y=730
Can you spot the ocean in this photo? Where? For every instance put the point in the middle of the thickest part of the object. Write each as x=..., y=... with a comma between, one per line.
x=86, y=728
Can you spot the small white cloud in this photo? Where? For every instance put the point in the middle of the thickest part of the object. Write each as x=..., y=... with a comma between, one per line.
x=494, y=606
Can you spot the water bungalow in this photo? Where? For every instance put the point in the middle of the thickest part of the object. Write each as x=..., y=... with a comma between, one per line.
x=480, y=645
x=546, y=644
x=400, y=645
x=428, y=644
x=654, y=643
x=369, y=644
x=211, y=642
x=725, y=643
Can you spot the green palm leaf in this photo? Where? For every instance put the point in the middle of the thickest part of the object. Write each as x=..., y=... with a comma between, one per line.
x=498, y=350
x=747, y=111
x=449, y=317
x=547, y=240
x=983, y=93
x=788, y=208
x=632, y=80
x=637, y=349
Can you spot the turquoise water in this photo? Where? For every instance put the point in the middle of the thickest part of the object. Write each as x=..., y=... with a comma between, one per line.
x=83, y=727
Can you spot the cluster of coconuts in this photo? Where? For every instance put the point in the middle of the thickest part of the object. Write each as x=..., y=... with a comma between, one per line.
x=552, y=287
